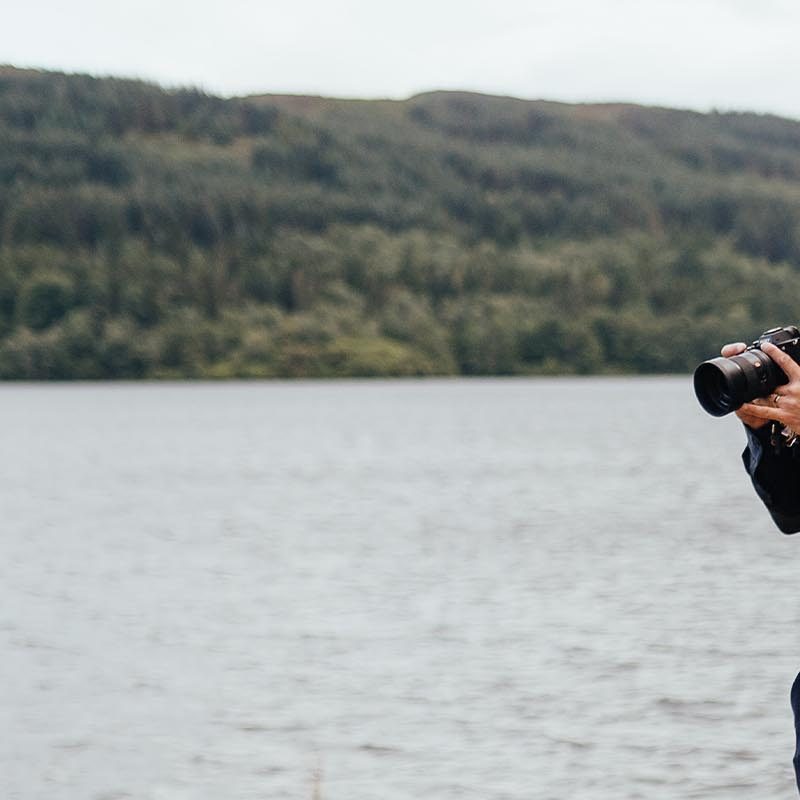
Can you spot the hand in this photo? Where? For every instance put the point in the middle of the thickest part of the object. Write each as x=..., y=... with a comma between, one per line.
x=749, y=419
x=784, y=405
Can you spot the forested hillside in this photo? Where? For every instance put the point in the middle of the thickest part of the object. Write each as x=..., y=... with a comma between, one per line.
x=154, y=233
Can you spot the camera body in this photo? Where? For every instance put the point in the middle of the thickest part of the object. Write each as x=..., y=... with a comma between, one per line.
x=723, y=384
x=787, y=339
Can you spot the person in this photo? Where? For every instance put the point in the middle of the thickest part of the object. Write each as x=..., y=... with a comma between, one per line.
x=773, y=466
x=772, y=459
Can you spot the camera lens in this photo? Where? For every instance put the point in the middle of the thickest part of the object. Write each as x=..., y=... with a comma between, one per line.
x=716, y=383
x=723, y=384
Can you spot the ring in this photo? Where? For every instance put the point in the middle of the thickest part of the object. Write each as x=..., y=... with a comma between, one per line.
x=776, y=398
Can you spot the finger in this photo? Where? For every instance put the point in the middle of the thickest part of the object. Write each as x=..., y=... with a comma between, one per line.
x=750, y=420
x=764, y=412
x=733, y=349
x=787, y=391
x=785, y=362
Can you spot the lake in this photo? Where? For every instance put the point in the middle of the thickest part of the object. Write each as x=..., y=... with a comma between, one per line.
x=522, y=588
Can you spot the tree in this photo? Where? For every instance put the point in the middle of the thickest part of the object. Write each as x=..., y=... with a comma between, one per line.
x=44, y=299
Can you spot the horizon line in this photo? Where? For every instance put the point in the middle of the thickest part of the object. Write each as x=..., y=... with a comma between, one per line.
x=6, y=68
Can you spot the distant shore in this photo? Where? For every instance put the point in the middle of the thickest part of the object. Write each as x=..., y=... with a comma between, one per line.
x=147, y=233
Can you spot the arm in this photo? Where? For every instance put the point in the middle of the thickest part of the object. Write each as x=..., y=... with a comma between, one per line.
x=776, y=478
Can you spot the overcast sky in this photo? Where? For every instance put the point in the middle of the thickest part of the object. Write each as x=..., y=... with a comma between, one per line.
x=726, y=54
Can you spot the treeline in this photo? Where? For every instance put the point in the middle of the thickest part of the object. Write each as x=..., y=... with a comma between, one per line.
x=153, y=233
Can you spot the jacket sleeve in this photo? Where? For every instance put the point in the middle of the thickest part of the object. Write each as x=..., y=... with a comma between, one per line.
x=776, y=478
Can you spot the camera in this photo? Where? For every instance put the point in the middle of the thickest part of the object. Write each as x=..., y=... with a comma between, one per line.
x=723, y=384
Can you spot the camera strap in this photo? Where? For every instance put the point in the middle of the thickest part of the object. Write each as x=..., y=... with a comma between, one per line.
x=782, y=437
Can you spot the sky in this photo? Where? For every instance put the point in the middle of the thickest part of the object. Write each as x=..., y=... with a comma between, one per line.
x=701, y=54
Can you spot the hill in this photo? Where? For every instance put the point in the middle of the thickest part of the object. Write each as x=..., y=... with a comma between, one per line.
x=153, y=233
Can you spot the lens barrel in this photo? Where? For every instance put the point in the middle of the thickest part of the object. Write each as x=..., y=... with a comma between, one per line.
x=723, y=384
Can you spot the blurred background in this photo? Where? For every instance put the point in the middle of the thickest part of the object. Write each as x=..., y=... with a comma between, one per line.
x=437, y=514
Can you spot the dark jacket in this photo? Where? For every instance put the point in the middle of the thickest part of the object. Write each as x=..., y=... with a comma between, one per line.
x=775, y=476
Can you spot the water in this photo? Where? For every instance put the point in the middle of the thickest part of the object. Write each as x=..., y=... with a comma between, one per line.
x=539, y=589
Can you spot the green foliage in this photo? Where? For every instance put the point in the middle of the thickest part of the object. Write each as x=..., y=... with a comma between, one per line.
x=367, y=357
x=153, y=233
x=44, y=299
